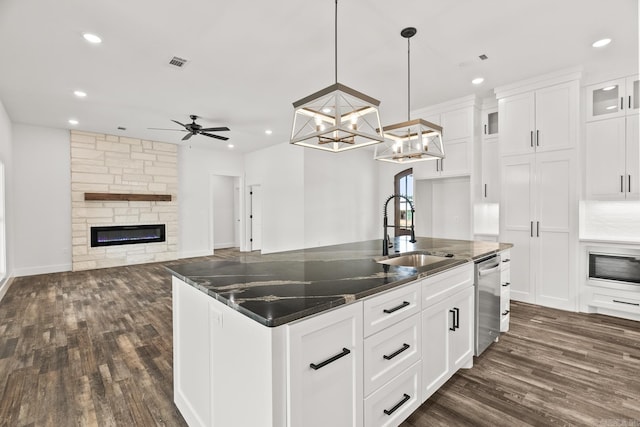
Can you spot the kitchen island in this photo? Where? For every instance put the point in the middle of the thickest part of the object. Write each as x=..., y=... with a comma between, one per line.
x=297, y=338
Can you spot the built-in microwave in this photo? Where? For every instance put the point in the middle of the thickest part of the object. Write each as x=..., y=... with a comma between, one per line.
x=615, y=267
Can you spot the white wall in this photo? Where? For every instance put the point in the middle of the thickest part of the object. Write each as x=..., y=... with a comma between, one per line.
x=195, y=166
x=279, y=170
x=41, y=200
x=224, y=215
x=6, y=158
x=340, y=197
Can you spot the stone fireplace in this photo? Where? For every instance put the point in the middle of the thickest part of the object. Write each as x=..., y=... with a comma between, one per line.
x=123, y=192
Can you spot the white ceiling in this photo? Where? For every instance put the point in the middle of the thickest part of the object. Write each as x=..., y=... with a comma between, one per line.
x=250, y=59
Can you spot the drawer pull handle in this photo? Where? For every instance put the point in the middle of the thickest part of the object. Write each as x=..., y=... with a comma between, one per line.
x=626, y=302
x=392, y=355
x=506, y=260
x=504, y=285
x=391, y=310
x=505, y=312
x=398, y=405
x=345, y=351
x=456, y=318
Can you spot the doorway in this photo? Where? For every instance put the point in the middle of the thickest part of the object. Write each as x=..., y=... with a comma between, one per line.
x=255, y=218
x=224, y=218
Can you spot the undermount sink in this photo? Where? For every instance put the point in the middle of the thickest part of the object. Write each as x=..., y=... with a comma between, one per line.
x=412, y=260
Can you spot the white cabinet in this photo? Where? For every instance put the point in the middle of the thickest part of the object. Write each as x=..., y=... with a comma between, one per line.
x=393, y=403
x=447, y=327
x=613, y=98
x=538, y=214
x=505, y=290
x=490, y=171
x=539, y=120
x=457, y=137
x=325, y=369
x=613, y=159
x=489, y=122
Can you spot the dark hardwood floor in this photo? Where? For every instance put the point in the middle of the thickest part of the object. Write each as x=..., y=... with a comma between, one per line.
x=95, y=348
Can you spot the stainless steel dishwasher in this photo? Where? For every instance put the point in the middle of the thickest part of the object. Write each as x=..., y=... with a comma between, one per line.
x=487, y=287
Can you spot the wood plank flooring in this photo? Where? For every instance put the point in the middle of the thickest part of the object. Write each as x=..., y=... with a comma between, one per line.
x=95, y=348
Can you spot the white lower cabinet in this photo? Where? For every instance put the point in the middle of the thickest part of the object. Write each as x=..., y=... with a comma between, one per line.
x=393, y=403
x=505, y=290
x=325, y=369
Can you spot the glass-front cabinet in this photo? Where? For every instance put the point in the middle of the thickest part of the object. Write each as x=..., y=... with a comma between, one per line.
x=490, y=122
x=614, y=98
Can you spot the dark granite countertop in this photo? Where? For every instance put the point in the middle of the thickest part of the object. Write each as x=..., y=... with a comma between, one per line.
x=275, y=289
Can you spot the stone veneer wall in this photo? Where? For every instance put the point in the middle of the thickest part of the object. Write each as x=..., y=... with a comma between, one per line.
x=112, y=164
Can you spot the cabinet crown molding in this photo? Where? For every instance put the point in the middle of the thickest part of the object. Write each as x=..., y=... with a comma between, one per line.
x=443, y=107
x=538, y=82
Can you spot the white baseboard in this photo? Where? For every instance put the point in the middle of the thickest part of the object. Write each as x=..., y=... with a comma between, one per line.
x=225, y=245
x=46, y=269
x=194, y=254
x=4, y=286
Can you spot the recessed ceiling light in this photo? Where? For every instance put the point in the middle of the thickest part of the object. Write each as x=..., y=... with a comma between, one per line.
x=73, y=122
x=268, y=131
x=230, y=145
x=601, y=43
x=79, y=93
x=92, y=38
x=609, y=88
x=477, y=80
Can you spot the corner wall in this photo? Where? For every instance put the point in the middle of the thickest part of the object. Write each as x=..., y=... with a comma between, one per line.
x=6, y=158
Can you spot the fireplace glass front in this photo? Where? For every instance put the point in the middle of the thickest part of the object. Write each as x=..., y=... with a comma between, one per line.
x=127, y=234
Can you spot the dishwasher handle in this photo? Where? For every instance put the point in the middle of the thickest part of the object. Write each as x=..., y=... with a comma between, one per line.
x=487, y=271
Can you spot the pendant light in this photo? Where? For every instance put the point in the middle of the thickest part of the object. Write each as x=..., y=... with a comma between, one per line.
x=413, y=140
x=336, y=118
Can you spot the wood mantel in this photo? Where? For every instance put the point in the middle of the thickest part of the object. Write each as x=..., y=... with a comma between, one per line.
x=132, y=197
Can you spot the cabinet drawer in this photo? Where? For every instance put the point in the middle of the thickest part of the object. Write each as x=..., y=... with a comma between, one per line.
x=616, y=301
x=443, y=285
x=394, y=402
x=391, y=351
x=504, y=323
x=384, y=310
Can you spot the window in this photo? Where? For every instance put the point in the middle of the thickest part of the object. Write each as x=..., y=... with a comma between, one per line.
x=403, y=186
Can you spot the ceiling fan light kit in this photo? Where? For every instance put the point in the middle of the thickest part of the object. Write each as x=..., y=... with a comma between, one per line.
x=336, y=118
x=413, y=140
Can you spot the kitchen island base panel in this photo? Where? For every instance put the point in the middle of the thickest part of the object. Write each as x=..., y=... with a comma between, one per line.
x=212, y=384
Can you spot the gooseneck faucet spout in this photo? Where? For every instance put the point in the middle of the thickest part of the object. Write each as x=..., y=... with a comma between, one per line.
x=385, y=225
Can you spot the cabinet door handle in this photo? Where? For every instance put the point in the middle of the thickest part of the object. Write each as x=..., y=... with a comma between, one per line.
x=395, y=353
x=437, y=165
x=485, y=190
x=505, y=312
x=345, y=351
x=504, y=285
x=537, y=228
x=621, y=102
x=453, y=328
x=626, y=302
x=537, y=137
x=622, y=183
x=398, y=405
x=531, y=229
x=629, y=186
x=531, y=139
x=391, y=310
x=485, y=126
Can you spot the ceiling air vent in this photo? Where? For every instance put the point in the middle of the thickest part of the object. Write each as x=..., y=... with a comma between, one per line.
x=483, y=57
x=177, y=62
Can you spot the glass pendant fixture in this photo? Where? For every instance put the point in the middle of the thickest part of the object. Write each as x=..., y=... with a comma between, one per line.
x=336, y=118
x=413, y=140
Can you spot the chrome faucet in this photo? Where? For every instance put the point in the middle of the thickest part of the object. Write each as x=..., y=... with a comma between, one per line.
x=385, y=236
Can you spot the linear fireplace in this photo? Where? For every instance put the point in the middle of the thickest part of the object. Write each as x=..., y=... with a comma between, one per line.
x=127, y=234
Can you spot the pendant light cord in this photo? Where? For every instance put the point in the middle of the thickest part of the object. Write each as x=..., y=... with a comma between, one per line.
x=335, y=41
x=408, y=78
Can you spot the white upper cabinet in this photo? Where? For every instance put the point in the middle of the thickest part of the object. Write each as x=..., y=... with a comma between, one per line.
x=613, y=98
x=540, y=120
x=489, y=123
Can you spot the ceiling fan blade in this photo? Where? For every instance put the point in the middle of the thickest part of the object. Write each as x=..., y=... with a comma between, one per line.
x=187, y=136
x=224, y=138
x=178, y=130
x=181, y=124
x=220, y=129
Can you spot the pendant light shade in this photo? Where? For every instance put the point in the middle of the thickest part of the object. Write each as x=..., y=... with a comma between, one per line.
x=413, y=140
x=336, y=118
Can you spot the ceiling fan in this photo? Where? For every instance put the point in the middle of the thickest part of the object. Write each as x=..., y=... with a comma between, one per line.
x=195, y=129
